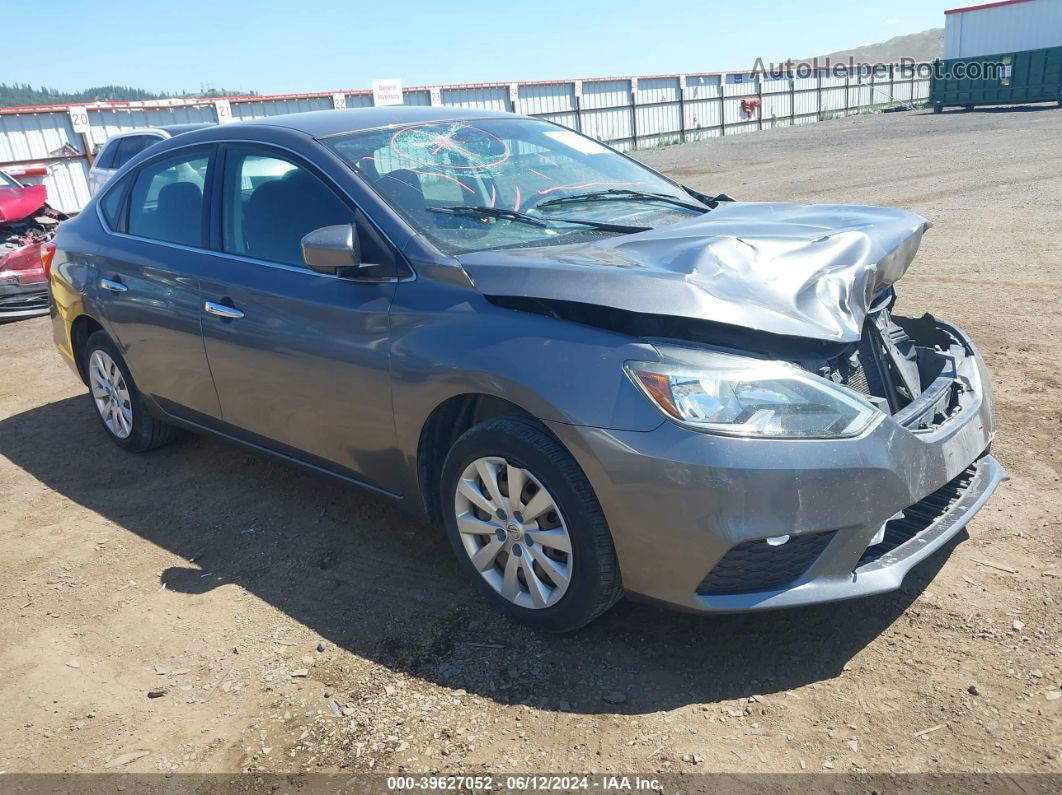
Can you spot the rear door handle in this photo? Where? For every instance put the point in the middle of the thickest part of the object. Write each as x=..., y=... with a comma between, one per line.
x=113, y=286
x=227, y=312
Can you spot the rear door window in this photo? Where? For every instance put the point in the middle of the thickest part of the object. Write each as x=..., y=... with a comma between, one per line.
x=166, y=202
x=132, y=145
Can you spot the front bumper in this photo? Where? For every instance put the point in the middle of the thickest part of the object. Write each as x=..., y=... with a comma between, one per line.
x=679, y=501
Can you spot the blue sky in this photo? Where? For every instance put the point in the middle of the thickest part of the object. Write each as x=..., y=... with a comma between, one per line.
x=281, y=46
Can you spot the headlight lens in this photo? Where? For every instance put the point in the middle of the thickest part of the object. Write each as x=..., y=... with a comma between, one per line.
x=736, y=396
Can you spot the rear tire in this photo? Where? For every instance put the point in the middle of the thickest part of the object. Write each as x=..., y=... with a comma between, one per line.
x=117, y=402
x=553, y=569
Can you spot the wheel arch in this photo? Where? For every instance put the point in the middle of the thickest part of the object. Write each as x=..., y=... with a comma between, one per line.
x=83, y=327
x=444, y=425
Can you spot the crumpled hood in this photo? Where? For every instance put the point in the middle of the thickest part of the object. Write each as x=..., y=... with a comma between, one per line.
x=19, y=203
x=802, y=270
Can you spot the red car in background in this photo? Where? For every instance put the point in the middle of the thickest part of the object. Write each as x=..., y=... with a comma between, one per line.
x=27, y=225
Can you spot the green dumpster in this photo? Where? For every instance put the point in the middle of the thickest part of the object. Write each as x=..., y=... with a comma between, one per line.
x=1005, y=79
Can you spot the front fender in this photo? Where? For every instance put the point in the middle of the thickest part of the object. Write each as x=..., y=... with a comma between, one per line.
x=448, y=340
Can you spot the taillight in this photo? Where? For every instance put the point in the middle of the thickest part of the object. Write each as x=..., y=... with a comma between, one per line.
x=47, y=255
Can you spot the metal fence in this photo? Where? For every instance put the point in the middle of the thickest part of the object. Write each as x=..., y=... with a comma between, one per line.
x=55, y=144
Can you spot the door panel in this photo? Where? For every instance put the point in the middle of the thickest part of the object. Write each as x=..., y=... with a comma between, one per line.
x=304, y=369
x=157, y=323
x=148, y=287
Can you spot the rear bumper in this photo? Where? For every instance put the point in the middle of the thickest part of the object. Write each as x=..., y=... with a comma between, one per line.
x=681, y=503
x=21, y=300
x=23, y=286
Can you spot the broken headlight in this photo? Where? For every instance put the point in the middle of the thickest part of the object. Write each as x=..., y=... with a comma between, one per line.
x=736, y=396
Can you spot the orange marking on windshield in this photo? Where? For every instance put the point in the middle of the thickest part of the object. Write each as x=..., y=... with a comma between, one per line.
x=418, y=142
x=443, y=141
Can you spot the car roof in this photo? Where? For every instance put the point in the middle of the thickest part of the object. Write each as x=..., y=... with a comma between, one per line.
x=177, y=129
x=319, y=124
x=323, y=123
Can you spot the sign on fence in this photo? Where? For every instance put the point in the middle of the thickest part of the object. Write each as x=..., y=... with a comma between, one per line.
x=79, y=119
x=224, y=111
x=387, y=92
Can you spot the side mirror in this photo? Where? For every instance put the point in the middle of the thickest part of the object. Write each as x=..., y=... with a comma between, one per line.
x=332, y=249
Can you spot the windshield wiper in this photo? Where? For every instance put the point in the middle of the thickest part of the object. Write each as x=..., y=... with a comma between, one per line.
x=524, y=218
x=613, y=194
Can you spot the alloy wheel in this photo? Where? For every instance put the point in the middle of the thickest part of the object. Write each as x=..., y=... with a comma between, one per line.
x=513, y=532
x=111, y=394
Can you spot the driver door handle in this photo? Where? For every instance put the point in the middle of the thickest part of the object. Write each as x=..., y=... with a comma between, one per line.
x=227, y=312
x=113, y=285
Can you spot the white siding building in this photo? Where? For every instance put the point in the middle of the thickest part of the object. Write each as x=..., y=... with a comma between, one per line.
x=1002, y=27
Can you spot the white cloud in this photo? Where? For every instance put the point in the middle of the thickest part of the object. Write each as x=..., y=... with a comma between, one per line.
x=891, y=21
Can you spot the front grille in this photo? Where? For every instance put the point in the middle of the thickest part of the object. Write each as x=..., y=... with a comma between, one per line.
x=759, y=566
x=921, y=515
x=859, y=370
x=868, y=369
x=857, y=379
x=871, y=361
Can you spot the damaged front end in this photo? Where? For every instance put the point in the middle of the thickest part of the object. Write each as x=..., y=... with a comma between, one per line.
x=790, y=494
x=919, y=370
x=812, y=286
x=27, y=224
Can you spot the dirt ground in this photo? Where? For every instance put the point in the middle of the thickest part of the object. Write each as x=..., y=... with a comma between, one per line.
x=298, y=625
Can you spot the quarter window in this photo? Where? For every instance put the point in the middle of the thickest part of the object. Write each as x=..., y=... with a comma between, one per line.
x=167, y=199
x=111, y=204
x=105, y=159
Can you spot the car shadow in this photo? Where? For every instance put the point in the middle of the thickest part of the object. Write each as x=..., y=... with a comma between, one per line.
x=367, y=577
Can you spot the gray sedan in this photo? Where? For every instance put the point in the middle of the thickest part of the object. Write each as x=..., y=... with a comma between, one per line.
x=598, y=380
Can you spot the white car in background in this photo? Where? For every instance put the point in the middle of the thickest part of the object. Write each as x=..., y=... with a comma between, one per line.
x=121, y=148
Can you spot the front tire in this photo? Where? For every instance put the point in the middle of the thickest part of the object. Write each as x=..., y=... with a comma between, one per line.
x=117, y=402
x=526, y=526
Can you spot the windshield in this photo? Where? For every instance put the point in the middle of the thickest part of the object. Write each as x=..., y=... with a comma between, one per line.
x=519, y=166
x=8, y=182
